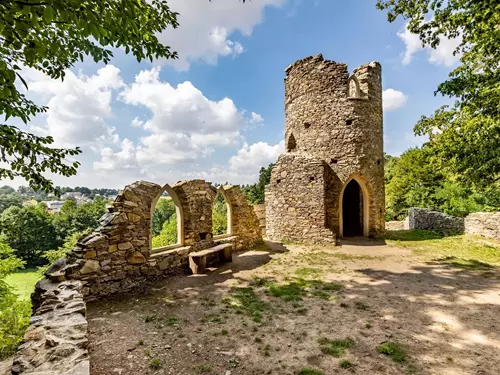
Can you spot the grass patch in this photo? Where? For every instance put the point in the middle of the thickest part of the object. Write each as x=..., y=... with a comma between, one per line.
x=155, y=363
x=308, y=272
x=335, y=348
x=309, y=371
x=464, y=251
x=287, y=292
x=203, y=369
x=245, y=301
x=393, y=349
x=345, y=364
x=171, y=320
x=23, y=281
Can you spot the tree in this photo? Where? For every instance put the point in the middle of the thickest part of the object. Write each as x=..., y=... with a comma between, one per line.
x=51, y=36
x=219, y=216
x=465, y=136
x=71, y=218
x=413, y=184
x=29, y=232
x=255, y=193
x=9, y=200
x=164, y=210
x=14, y=313
x=168, y=234
x=4, y=190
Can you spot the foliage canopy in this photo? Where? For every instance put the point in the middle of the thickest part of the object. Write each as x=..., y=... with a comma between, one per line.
x=51, y=36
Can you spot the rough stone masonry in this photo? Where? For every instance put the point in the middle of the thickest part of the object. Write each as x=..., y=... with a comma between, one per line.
x=117, y=257
x=330, y=180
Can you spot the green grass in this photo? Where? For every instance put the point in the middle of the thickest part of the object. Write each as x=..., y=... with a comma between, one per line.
x=203, y=369
x=335, y=348
x=309, y=371
x=308, y=272
x=394, y=350
x=24, y=282
x=464, y=251
x=345, y=363
x=287, y=292
x=245, y=301
x=155, y=363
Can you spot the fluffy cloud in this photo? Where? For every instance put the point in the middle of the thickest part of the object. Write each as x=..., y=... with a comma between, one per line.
x=243, y=168
x=393, y=99
x=78, y=106
x=205, y=28
x=185, y=129
x=442, y=55
x=185, y=125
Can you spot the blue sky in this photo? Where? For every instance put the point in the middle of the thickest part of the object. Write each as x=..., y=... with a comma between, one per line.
x=217, y=113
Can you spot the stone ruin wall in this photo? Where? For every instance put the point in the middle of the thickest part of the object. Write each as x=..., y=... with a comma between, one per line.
x=295, y=199
x=338, y=120
x=485, y=224
x=423, y=218
x=260, y=211
x=115, y=258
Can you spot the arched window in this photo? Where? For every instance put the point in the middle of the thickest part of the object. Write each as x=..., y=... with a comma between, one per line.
x=291, y=145
x=221, y=216
x=166, y=221
x=353, y=90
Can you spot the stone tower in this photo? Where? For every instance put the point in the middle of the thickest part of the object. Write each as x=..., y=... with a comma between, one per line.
x=330, y=180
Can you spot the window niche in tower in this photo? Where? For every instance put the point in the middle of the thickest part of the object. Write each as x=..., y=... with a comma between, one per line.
x=291, y=145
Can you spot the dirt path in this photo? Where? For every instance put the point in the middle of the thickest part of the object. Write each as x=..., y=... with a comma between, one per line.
x=239, y=319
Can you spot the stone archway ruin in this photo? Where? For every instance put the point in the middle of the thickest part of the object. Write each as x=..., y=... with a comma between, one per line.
x=117, y=257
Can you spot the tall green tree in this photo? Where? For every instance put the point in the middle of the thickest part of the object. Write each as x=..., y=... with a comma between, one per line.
x=466, y=135
x=29, y=231
x=72, y=218
x=255, y=193
x=164, y=210
x=51, y=36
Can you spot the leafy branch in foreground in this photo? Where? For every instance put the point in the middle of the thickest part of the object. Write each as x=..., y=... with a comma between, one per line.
x=50, y=36
x=465, y=137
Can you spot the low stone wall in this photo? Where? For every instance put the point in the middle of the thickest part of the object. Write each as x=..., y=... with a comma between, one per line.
x=260, y=211
x=422, y=218
x=116, y=258
x=485, y=224
x=56, y=341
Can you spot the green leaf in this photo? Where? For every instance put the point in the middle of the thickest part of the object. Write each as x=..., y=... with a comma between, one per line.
x=48, y=14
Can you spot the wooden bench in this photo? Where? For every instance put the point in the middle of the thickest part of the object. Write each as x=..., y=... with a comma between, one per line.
x=198, y=260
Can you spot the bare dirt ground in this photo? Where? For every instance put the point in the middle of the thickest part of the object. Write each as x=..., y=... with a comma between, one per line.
x=273, y=310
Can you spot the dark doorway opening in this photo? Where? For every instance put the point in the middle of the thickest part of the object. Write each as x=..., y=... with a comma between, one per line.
x=352, y=210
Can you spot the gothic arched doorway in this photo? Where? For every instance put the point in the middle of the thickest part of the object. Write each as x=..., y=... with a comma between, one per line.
x=353, y=210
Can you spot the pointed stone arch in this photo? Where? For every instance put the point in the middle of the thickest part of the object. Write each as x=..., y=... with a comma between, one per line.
x=364, y=205
x=180, y=219
x=291, y=144
x=353, y=89
x=229, y=205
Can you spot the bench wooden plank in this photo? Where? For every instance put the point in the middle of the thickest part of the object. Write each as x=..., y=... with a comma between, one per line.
x=198, y=260
x=211, y=250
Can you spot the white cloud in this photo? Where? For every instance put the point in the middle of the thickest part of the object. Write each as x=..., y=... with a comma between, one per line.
x=78, y=106
x=206, y=28
x=185, y=129
x=243, y=168
x=441, y=55
x=393, y=99
x=185, y=125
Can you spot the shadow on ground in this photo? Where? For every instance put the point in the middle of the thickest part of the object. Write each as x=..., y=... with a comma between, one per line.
x=443, y=315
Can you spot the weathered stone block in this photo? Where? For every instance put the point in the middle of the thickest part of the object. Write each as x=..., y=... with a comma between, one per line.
x=137, y=258
x=90, y=266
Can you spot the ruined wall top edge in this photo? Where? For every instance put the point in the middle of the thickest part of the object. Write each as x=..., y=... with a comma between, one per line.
x=314, y=62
